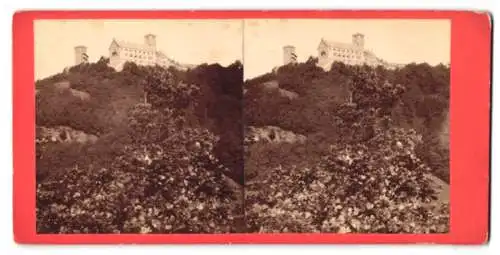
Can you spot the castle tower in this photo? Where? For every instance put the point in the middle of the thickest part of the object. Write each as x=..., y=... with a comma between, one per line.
x=150, y=40
x=289, y=55
x=81, y=55
x=358, y=40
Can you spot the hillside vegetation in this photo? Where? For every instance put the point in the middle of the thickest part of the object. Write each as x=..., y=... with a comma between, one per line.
x=164, y=166
x=374, y=139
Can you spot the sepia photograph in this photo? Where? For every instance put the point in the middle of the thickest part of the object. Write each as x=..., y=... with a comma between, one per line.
x=139, y=126
x=346, y=125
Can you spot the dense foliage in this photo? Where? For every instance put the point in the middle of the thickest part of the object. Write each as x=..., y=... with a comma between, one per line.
x=363, y=168
x=419, y=100
x=215, y=104
x=380, y=186
x=157, y=172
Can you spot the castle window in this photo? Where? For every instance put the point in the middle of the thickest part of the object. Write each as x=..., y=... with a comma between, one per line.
x=323, y=53
x=114, y=53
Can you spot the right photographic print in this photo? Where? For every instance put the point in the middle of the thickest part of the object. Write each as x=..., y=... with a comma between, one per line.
x=346, y=125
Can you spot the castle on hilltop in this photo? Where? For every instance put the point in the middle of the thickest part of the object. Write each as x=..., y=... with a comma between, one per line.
x=121, y=52
x=353, y=53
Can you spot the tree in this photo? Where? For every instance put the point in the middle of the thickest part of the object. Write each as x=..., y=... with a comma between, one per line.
x=370, y=90
x=163, y=92
x=165, y=178
x=297, y=78
x=376, y=187
x=373, y=176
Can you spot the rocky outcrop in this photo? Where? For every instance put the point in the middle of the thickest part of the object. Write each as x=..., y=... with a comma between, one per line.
x=274, y=85
x=287, y=93
x=84, y=96
x=271, y=85
x=272, y=134
x=63, y=134
x=64, y=86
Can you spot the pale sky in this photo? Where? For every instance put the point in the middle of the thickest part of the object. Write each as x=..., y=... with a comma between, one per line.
x=186, y=41
x=395, y=40
x=256, y=42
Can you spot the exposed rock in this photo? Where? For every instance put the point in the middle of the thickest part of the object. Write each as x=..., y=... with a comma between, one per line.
x=80, y=94
x=63, y=134
x=62, y=85
x=274, y=85
x=287, y=93
x=271, y=85
x=272, y=134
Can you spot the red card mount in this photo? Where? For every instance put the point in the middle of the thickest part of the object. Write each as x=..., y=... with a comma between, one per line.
x=469, y=131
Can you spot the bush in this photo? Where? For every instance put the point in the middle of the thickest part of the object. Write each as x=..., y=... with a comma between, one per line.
x=162, y=177
x=414, y=97
x=375, y=176
x=379, y=186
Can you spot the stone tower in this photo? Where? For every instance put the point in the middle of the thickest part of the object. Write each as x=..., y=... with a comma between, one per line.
x=358, y=40
x=289, y=55
x=150, y=40
x=81, y=55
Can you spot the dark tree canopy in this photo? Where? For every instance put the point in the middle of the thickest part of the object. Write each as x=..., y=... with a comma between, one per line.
x=167, y=142
x=374, y=136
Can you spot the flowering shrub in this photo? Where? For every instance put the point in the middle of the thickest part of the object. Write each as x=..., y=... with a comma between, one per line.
x=165, y=179
x=379, y=186
x=371, y=179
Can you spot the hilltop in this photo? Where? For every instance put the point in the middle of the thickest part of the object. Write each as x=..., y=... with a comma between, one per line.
x=319, y=96
x=117, y=151
x=108, y=95
x=372, y=142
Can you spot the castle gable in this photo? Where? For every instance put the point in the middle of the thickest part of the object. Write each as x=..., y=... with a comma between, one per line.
x=114, y=45
x=322, y=45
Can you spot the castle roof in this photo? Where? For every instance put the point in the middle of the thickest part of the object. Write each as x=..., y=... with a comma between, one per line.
x=335, y=44
x=125, y=44
x=369, y=54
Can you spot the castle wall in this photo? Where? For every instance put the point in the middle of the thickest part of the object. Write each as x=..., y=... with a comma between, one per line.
x=142, y=54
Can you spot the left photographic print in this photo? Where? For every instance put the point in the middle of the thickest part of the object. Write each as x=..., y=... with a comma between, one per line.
x=139, y=126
